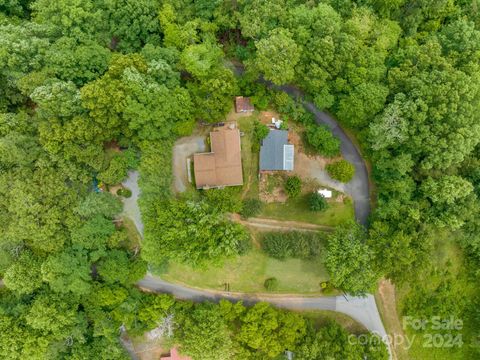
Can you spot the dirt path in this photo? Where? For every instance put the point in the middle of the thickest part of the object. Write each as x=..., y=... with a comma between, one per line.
x=270, y=224
x=388, y=309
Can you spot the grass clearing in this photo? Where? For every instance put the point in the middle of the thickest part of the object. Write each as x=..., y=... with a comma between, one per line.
x=247, y=274
x=297, y=209
x=132, y=233
x=250, y=158
x=322, y=317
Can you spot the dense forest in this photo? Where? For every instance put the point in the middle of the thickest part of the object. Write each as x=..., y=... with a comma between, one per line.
x=76, y=76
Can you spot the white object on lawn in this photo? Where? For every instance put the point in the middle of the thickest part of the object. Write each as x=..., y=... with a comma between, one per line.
x=327, y=194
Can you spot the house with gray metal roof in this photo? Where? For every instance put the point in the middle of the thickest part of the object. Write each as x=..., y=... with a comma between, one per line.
x=276, y=153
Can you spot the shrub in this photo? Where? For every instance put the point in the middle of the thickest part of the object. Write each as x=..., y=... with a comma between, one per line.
x=317, y=202
x=118, y=167
x=225, y=200
x=271, y=284
x=323, y=141
x=244, y=245
x=276, y=245
x=124, y=192
x=341, y=170
x=260, y=131
x=251, y=208
x=295, y=244
x=293, y=186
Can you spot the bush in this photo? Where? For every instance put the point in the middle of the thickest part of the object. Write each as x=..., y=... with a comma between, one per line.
x=260, y=131
x=317, y=202
x=271, y=284
x=118, y=167
x=341, y=170
x=295, y=244
x=293, y=186
x=251, y=208
x=225, y=200
x=276, y=245
x=244, y=245
x=323, y=141
x=124, y=192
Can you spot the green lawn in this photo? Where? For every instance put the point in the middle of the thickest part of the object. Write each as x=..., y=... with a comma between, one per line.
x=133, y=235
x=322, y=317
x=297, y=210
x=247, y=274
x=249, y=157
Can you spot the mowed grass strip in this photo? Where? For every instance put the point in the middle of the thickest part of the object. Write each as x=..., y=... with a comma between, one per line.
x=297, y=209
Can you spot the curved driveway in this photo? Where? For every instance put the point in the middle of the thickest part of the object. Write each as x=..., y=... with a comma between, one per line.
x=358, y=188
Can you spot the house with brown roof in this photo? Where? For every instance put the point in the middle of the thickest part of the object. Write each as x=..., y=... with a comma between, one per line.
x=243, y=104
x=222, y=166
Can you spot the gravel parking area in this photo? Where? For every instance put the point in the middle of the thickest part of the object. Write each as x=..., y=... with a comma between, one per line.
x=182, y=150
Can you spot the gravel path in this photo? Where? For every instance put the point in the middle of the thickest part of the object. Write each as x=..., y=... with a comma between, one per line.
x=130, y=205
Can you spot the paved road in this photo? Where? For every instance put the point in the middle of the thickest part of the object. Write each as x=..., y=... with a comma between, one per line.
x=363, y=310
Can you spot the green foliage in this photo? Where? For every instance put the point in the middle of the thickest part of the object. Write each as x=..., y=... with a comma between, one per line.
x=200, y=231
x=260, y=131
x=118, y=167
x=341, y=170
x=271, y=284
x=225, y=200
x=204, y=334
x=24, y=275
x=317, y=202
x=116, y=266
x=267, y=331
x=323, y=141
x=332, y=341
x=77, y=74
x=282, y=245
x=77, y=61
x=93, y=233
x=103, y=203
x=68, y=272
x=251, y=207
x=127, y=100
x=293, y=186
x=126, y=193
x=201, y=59
x=277, y=56
x=349, y=260
x=212, y=96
